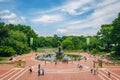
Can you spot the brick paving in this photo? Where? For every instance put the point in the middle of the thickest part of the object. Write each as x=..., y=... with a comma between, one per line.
x=61, y=71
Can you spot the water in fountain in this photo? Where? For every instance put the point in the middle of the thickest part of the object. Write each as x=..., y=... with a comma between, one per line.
x=58, y=56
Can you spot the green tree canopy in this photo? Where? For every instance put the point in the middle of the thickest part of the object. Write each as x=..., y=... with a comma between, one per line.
x=67, y=44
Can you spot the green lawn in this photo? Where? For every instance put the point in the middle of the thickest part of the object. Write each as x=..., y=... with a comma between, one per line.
x=46, y=49
x=3, y=59
x=55, y=50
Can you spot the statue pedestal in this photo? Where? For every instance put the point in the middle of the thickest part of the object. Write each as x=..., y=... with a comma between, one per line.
x=59, y=54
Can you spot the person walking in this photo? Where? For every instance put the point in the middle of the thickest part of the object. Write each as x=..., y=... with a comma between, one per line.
x=30, y=69
x=80, y=66
x=109, y=74
x=55, y=63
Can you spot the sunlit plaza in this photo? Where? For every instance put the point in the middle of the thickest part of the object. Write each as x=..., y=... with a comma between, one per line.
x=59, y=39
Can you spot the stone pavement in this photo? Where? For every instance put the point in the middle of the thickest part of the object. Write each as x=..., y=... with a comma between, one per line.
x=61, y=71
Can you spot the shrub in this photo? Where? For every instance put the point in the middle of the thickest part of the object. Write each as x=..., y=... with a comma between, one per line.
x=3, y=58
x=94, y=51
x=6, y=51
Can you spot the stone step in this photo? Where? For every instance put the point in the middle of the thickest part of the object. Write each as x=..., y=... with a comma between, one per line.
x=13, y=74
x=104, y=74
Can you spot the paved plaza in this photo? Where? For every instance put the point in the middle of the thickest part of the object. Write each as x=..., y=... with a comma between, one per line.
x=60, y=71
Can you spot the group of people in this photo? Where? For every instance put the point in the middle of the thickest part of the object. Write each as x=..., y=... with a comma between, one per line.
x=94, y=71
x=40, y=71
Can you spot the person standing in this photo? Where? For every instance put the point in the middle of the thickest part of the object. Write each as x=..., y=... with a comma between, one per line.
x=39, y=66
x=67, y=61
x=43, y=72
x=95, y=71
x=85, y=58
x=91, y=70
x=45, y=62
x=38, y=72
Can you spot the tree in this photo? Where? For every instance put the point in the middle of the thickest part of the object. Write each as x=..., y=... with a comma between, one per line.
x=3, y=30
x=15, y=38
x=18, y=40
x=76, y=42
x=6, y=51
x=116, y=30
x=115, y=34
x=67, y=44
x=55, y=41
x=105, y=36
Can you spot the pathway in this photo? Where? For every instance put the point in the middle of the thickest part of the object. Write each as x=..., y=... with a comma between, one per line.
x=61, y=71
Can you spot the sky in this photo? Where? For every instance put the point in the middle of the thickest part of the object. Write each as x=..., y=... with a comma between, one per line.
x=61, y=17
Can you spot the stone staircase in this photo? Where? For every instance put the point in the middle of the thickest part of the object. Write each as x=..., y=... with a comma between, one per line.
x=13, y=74
x=103, y=74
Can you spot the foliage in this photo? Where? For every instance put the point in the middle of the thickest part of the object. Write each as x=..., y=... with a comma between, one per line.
x=3, y=31
x=116, y=34
x=55, y=41
x=105, y=36
x=75, y=40
x=114, y=57
x=6, y=51
x=14, y=39
x=116, y=30
x=94, y=51
x=3, y=58
x=67, y=44
x=73, y=55
x=109, y=36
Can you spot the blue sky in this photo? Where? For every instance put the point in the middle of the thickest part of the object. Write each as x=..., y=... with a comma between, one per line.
x=61, y=17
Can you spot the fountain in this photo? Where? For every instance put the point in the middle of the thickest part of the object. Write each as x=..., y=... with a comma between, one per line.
x=58, y=56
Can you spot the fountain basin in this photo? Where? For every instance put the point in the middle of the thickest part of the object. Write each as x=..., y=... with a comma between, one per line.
x=52, y=57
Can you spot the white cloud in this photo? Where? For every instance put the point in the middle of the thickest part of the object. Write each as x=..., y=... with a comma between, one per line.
x=48, y=18
x=4, y=11
x=75, y=22
x=61, y=30
x=106, y=3
x=71, y=7
x=10, y=17
x=104, y=13
x=23, y=19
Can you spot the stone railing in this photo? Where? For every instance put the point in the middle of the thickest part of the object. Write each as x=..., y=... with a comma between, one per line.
x=18, y=63
x=101, y=63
